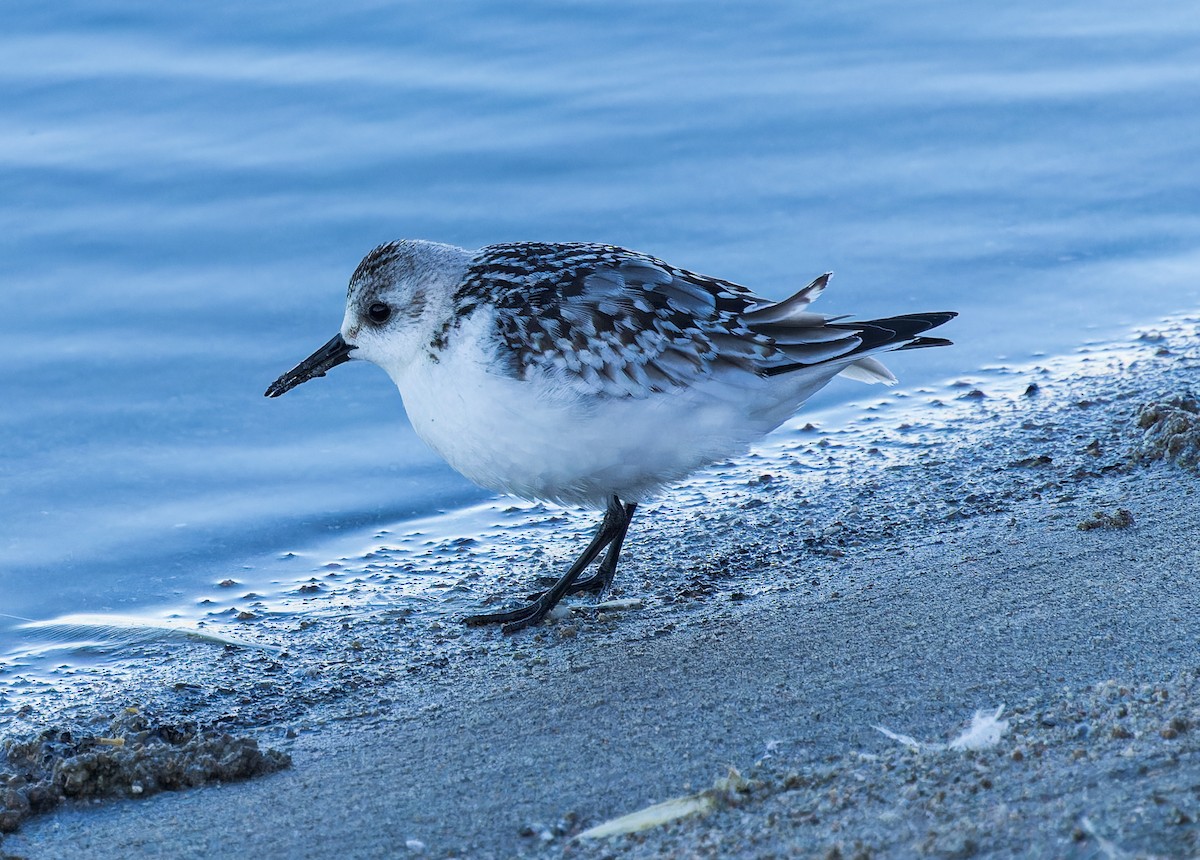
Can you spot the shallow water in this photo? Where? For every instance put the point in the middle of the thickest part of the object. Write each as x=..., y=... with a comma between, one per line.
x=186, y=190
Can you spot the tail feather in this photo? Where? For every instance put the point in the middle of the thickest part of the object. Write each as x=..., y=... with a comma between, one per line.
x=810, y=340
x=869, y=370
x=881, y=335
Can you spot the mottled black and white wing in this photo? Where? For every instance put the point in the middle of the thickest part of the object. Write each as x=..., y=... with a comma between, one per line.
x=608, y=321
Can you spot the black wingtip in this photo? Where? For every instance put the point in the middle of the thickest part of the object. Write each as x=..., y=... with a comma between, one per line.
x=895, y=333
x=933, y=320
x=922, y=342
x=904, y=327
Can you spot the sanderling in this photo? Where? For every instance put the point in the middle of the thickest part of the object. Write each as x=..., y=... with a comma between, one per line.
x=588, y=374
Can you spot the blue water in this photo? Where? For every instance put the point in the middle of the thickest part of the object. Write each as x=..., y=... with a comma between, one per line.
x=185, y=189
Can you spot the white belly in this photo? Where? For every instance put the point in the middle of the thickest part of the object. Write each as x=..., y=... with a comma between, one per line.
x=538, y=441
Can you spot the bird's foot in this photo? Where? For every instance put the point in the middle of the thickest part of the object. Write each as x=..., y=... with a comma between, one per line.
x=515, y=619
x=596, y=583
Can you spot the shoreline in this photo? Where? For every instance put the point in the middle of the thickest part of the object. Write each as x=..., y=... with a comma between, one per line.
x=789, y=602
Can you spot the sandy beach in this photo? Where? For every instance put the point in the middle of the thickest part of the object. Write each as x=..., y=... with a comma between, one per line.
x=1021, y=545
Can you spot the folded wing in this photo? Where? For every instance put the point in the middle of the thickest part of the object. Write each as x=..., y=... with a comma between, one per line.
x=607, y=321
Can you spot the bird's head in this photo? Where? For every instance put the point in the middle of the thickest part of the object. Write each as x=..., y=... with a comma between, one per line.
x=388, y=305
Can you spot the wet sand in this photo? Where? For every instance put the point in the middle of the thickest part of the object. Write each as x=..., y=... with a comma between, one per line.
x=1032, y=545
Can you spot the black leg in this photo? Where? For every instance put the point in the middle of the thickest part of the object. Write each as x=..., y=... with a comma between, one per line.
x=599, y=581
x=610, y=534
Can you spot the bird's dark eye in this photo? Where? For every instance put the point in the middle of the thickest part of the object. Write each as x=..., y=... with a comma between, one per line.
x=379, y=312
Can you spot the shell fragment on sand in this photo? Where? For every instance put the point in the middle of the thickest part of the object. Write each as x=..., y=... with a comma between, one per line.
x=670, y=810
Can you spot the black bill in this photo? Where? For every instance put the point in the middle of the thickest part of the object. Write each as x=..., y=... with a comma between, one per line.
x=329, y=356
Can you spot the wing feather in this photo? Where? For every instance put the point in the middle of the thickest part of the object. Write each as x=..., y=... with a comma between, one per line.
x=607, y=321
x=790, y=309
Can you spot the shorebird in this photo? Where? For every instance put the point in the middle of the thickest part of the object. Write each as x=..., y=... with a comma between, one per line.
x=587, y=374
